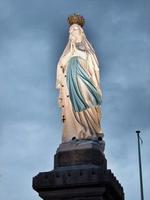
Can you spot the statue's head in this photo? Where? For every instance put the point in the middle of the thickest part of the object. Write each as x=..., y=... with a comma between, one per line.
x=76, y=22
x=76, y=33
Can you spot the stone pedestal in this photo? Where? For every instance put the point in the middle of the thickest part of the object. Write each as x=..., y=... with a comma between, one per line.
x=80, y=173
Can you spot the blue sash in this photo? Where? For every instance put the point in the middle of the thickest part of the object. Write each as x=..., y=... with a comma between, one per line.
x=74, y=71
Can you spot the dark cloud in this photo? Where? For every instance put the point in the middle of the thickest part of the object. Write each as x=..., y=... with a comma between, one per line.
x=33, y=35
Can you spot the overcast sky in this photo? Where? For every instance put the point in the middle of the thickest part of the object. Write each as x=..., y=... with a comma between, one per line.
x=33, y=34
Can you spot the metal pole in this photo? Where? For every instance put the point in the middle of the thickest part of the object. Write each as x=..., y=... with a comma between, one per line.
x=140, y=164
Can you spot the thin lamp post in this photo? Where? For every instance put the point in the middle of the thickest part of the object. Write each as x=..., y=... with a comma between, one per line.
x=140, y=163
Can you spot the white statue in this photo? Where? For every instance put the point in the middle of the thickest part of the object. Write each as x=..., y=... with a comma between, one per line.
x=78, y=82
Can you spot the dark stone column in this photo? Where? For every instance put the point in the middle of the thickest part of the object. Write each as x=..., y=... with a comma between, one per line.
x=80, y=173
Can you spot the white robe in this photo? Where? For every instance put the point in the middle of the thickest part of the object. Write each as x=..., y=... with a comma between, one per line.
x=84, y=124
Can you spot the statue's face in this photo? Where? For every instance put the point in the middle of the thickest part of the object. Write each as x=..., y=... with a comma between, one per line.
x=75, y=34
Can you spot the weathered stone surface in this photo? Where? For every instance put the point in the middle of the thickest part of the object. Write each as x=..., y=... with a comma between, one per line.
x=81, y=144
x=75, y=194
x=80, y=173
x=82, y=152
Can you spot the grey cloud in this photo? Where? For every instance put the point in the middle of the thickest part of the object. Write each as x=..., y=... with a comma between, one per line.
x=33, y=35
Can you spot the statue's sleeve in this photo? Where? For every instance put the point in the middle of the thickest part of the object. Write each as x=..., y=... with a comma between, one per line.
x=59, y=74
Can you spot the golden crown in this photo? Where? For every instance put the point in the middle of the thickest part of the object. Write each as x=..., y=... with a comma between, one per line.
x=76, y=19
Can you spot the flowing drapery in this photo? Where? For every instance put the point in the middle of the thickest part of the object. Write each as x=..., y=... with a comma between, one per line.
x=80, y=95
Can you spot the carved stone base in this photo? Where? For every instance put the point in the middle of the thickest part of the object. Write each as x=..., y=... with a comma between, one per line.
x=80, y=173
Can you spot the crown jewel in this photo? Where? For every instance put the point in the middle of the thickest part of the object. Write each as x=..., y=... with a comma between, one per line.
x=76, y=19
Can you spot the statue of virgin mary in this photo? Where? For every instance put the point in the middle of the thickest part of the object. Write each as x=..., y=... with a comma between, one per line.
x=78, y=82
